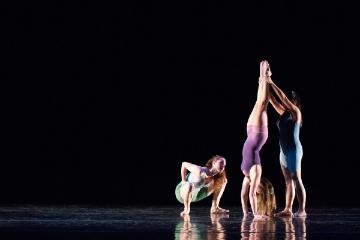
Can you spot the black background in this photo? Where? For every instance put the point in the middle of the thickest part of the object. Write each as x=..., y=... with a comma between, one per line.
x=103, y=101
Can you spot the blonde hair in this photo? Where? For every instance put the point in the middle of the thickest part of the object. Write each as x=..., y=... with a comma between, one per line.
x=266, y=201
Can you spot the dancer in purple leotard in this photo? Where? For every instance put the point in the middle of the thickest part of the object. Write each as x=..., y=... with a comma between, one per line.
x=257, y=131
x=256, y=138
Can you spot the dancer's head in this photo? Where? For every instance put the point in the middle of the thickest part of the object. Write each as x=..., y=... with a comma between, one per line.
x=295, y=99
x=266, y=200
x=218, y=162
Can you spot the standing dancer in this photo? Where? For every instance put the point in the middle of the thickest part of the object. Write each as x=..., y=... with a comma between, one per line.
x=291, y=151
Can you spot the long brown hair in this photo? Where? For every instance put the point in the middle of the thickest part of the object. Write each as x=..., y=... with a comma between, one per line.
x=266, y=201
x=295, y=99
x=220, y=178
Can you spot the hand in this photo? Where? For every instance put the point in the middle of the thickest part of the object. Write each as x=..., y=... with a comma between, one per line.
x=269, y=80
x=183, y=183
x=246, y=213
x=260, y=217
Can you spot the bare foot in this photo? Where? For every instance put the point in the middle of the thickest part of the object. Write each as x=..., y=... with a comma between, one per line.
x=284, y=213
x=219, y=210
x=267, y=71
x=300, y=214
x=262, y=71
x=246, y=214
x=246, y=217
x=185, y=212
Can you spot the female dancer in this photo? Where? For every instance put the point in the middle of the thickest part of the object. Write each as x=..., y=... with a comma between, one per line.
x=202, y=182
x=257, y=133
x=291, y=150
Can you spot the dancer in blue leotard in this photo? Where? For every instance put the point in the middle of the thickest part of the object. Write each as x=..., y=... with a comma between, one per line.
x=291, y=150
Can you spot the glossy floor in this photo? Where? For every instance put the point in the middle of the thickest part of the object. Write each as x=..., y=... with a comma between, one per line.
x=165, y=223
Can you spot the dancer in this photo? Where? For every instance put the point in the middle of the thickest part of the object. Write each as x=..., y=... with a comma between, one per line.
x=291, y=151
x=257, y=133
x=201, y=182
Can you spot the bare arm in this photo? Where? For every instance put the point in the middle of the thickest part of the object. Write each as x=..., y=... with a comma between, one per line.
x=186, y=166
x=218, y=192
x=287, y=104
x=245, y=195
x=276, y=105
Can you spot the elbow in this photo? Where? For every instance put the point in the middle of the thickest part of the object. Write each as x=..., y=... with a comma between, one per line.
x=184, y=165
x=243, y=195
x=253, y=195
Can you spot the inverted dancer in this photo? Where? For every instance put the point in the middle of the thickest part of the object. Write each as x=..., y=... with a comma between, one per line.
x=201, y=182
x=257, y=134
x=291, y=151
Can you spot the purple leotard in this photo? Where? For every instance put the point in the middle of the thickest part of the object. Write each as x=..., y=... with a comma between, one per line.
x=256, y=138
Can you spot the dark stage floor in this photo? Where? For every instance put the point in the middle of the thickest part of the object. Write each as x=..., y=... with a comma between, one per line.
x=165, y=223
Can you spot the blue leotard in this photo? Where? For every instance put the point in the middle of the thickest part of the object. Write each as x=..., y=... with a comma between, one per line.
x=291, y=151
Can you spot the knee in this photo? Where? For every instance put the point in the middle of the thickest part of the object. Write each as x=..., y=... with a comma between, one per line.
x=296, y=178
x=187, y=187
x=288, y=181
x=225, y=181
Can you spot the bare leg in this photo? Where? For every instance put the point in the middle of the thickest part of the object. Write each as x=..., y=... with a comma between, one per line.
x=186, y=194
x=258, y=115
x=290, y=194
x=301, y=194
x=216, y=199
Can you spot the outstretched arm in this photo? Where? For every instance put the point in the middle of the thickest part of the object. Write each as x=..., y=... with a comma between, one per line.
x=186, y=166
x=218, y=192
x=276, y=105
x=287, y=104
x=245, y=196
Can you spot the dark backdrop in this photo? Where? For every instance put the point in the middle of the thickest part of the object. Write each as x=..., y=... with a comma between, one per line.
x=103, y=101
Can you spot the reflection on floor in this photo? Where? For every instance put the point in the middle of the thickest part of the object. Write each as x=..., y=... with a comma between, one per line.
x=165, y=223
